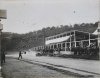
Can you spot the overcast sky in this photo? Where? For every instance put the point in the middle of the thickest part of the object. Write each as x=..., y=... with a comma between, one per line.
x=30, y=15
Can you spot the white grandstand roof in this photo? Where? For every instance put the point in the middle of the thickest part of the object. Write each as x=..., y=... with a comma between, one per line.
x=61, y=39
x=95, y=32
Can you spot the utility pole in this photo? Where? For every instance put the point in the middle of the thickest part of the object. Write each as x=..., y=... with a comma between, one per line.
x=3, y=15
x=1, y=27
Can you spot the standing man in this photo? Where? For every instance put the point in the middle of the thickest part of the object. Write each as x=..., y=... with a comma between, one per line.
x=20, y=55
x=3, y=56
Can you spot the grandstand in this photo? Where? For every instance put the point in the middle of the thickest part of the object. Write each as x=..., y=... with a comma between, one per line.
x=75, y=43
x=70, y=39
x=65, y=41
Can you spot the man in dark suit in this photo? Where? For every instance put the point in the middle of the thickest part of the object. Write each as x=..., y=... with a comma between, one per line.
x=20, y=55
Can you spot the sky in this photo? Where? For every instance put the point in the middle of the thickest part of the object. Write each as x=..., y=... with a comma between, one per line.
x=24, y=16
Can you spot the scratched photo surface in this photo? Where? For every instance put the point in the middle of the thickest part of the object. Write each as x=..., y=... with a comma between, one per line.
x=49, y=39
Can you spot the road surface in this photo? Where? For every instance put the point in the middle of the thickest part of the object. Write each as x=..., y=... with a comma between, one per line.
x=14, y=68
x=91, y=66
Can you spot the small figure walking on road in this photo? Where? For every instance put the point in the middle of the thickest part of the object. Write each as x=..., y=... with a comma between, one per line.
x=20, y=55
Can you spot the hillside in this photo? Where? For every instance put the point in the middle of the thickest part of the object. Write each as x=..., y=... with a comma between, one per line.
x=14, y=41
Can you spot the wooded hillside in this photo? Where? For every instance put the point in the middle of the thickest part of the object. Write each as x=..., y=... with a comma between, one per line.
x=14, y=41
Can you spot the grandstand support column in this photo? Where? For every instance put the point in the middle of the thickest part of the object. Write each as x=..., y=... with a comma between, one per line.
x=89, y=39
x=65, y=46
x=74, y=38
x=61, y=45
x=53, y=46
x=56, y=46
x=70, y=41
